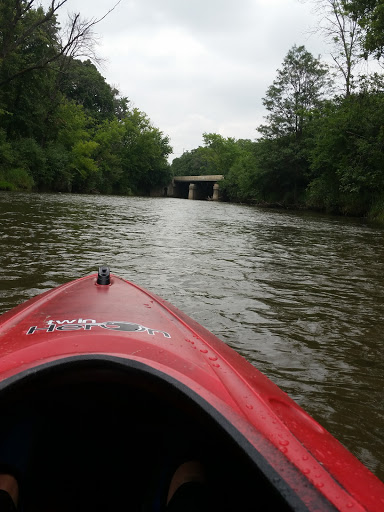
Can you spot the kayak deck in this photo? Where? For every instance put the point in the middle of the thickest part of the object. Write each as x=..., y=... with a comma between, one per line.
x=113, y=369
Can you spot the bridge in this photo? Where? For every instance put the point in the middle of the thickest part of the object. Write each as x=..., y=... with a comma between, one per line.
x=196, y=187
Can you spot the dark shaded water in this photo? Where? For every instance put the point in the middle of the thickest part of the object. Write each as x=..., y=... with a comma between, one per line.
x=300, y=295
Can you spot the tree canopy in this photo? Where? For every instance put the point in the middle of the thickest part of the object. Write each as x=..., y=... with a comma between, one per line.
x=370, y=16
x=300, y=86
x=315, y=149
x=62, y=126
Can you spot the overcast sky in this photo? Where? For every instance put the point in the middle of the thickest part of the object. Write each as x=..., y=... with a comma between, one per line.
x=198, y=66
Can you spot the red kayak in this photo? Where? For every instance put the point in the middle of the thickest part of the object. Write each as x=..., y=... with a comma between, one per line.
x=106, y=388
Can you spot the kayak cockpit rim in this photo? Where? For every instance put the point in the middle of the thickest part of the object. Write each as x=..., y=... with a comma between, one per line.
x=142, y=385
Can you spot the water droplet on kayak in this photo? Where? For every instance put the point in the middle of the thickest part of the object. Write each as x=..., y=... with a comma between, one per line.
x=249, y=406
x=349, y=505
x=216, y=365
x=305, y=457
x=284, y=443
x=306, y=471
x=283, y=449
x=204, y=351
x=213, y=358
x=319, y=485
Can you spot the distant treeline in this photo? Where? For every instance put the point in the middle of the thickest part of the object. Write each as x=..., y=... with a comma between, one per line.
x=62, y=127
x=322, y=145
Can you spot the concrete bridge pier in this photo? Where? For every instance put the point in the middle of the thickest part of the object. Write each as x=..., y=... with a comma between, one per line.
x=215, y=196
x=192, y=191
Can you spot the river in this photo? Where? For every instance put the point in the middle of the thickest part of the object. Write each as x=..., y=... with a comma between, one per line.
x=300, y=295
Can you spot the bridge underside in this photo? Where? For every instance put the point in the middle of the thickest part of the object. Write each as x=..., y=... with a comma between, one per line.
x=196, y=187
x=203, y=188
x=200, y=191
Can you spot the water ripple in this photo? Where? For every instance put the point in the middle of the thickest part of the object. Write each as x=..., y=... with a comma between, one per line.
x=299, y=295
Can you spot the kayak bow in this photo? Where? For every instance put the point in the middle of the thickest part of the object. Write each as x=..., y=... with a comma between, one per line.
x=101, y=365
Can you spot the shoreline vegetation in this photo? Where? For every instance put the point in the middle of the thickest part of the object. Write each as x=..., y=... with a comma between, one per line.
x=63, y=128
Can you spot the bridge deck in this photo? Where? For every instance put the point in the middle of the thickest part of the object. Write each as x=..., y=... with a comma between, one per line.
x=191, y=179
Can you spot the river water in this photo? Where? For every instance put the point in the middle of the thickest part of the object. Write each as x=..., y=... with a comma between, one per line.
x=300, y=295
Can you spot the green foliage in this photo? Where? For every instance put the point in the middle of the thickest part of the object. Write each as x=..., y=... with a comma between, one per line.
x=223, y=152
x=18, y=179
x=58, y=160
x=31, y=158
x=343, y=35
x=27, y=42
x=109, y=137
x=62, y=127
x=298, y=89
x=243, y=181
x=6, y=151
x=193, y=163
x=82, y=83
x=144, y=154
x=293, y=101
x=28, y=39
x=370, y=16
x=216, y=157
x=315, y=153
x=348, y=154
x=6, y=185
x=235, y=159
x=376, y=211
x=74, y=148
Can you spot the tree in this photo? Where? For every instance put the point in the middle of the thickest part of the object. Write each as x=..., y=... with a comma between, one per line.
x=24, y=41
x=109, y=136
x=34, y=52
x=292, y=101
x=196, y=162
x=369, y=14
x=348, y=151
x=62, y=127
x=242, y=182
x=144, y=155
x=76, y=150
x=23, y=28
x=216, y=157
x=344, y=35
x=223, y=152
x=299, y=88
x=82, y=83
x=21, y=23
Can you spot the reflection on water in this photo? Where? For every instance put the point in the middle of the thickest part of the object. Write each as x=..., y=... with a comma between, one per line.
x=299, y=295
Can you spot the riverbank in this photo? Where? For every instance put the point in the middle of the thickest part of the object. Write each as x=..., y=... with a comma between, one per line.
x=375, y=215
